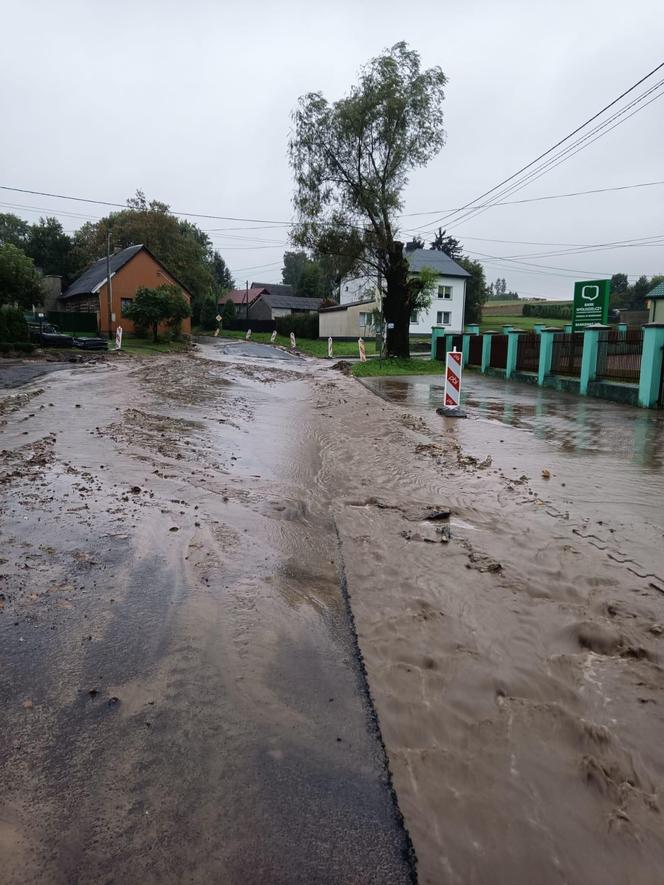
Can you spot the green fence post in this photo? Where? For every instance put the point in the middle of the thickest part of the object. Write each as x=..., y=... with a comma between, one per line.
x=537, y=328
x=650, y=377
x=567, y=328
x=449, y=345
x=545, y=354
x=506, y=328
x=465, y=348
x=622, y=329
x=473, y=328
x=589, y=356
x=486, y=351
x=436, y=333
x=512, y=351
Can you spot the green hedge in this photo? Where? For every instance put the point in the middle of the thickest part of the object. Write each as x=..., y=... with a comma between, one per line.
x=13, y=326
x=305, y=325
x=548, y=311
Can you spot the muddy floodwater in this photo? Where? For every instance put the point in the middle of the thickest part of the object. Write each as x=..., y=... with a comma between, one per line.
x=261, y=623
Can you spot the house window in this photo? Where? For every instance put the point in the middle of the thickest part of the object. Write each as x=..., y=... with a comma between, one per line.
x=124, y=304
x=365, y=319
x=444, y=292
x=443, y=317
x=413, y=316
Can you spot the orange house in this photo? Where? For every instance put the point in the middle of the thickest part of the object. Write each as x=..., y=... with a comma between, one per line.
x=131, y=268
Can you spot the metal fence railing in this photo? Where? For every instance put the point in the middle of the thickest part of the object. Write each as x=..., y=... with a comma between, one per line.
x=619, y=355
x=567, y=353
x=475, y=350
x=528, y=352
x=498, y=352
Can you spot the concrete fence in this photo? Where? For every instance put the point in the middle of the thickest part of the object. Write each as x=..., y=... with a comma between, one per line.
x=615, y=364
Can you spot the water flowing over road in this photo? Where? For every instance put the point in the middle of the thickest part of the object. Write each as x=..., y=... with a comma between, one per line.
x=260, y=624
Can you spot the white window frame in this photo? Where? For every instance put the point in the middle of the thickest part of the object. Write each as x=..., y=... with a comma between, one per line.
x=445, y=292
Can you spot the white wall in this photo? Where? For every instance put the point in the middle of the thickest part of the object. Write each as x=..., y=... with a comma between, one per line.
x=454, y=306
x=349, y=323
x=357, y=289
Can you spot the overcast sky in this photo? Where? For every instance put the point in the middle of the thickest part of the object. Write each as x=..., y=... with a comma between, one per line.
x=191, y=102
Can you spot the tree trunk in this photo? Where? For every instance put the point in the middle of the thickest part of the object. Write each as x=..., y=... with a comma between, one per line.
x=396, y=310
x=155, y=328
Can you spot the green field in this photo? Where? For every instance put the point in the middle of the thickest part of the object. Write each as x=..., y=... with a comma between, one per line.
x=527, y=323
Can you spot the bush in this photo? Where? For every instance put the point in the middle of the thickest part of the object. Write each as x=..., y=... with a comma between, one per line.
x=209, y=311
x=228, y=315
x=548, y=311
x=305, y=325
x=13, y=326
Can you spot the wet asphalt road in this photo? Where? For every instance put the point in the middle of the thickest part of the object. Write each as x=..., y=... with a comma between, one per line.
x=15, y=373
x=179, y=672
x=253, y=350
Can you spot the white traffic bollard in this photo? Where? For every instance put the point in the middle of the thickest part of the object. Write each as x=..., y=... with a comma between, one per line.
x=118, y=338
x=329, y=347
x=362, y=349
x=452, y=394
x=292, y=341
x=248, y=335
x=273, y=337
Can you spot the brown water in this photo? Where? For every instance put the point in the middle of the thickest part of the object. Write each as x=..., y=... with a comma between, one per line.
x=513, y=651
x=182, y=698
x=516, y=669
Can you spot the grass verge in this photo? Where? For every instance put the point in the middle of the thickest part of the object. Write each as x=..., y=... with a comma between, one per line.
x=396, y=366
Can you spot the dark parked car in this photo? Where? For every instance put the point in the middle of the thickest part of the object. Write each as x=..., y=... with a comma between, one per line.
x=48, y=336
x=91, y=343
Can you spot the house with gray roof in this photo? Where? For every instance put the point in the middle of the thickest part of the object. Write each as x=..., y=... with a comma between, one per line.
x=448, y=299
x=269, y=306
x=131, y=269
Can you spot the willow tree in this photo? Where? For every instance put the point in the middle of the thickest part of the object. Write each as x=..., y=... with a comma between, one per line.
x=351, y=160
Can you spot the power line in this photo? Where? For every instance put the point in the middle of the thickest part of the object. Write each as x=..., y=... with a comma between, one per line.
x=280, y=224
x=597, y=190
x=562, y=140
x=567, y=154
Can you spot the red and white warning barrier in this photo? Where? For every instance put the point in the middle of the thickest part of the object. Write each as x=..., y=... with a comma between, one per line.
x=118, y=338
x=248, y=335
x=453, y=379
x=329, y=347
x=362, y=349
x=273, y=337
x=292, y=341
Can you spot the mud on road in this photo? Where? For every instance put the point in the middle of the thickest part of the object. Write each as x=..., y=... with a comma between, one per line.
x=183, y=696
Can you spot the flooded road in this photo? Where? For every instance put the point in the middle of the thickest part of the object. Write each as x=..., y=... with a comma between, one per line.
x=605, y=460
x=258, y=624
x=181, y=691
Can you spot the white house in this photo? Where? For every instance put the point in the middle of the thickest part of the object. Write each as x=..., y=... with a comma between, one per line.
x=449, y=293
x=448, y=298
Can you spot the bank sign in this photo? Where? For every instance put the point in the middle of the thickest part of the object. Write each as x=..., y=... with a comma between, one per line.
x=591, y=303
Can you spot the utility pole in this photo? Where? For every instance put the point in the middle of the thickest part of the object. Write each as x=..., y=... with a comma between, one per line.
x=109, y=286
